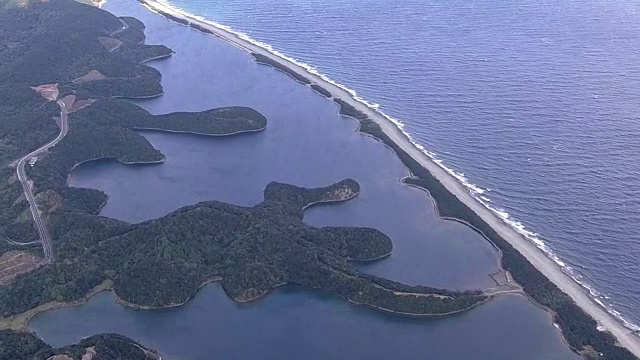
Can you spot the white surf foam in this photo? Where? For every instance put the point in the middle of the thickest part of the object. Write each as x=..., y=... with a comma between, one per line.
x=476, y=191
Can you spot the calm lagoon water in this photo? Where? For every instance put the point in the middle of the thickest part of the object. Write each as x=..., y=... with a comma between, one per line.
x=306, y=143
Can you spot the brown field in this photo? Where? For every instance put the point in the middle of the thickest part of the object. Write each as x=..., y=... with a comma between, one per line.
x=13, y=263
x=92, y=75
x=47, y=91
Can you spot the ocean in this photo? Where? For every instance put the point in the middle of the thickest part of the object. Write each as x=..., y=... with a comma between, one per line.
x=533, y=104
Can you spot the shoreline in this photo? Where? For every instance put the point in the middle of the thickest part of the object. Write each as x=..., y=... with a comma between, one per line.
x=198, y=133
x=528, y=250
x=20, y=322
x=112, y=158
x=163, y=160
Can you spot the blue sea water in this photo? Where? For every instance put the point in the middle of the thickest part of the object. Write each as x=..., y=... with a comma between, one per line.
x=534, y=104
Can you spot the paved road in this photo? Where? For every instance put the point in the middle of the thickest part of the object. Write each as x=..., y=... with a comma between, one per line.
x=16, y=243
x=27, y=186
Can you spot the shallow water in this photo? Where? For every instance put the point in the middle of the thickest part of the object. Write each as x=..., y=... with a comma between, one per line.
x=306, y=143
x=536, y=100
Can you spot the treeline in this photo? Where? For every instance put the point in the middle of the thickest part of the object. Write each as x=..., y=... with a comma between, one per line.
x=86, y=141
x=354, y=243
x=267, y=61
x=142, y=53
x=167, y=15
x=26, y=121
x=102, y=130
x=321, y=90
x=102, y=347
x=15, y=345
x=578, y=328
x=132, y=88
x=201, y=28
x=134, y=34
x=220, y=121
x=40, y=45
x=78, y=269
x=164, y=261
x=46, y=47
x=302, y=197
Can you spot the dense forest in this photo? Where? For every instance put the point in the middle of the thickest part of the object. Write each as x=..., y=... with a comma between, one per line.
x=321, y=90
x=23, y=345
x=254, y=250
x=163, y=262
x=261, y=59
x=16, y=345
x=40, y=45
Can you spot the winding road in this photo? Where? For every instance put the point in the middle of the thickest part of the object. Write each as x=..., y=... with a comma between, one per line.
x=27, y=186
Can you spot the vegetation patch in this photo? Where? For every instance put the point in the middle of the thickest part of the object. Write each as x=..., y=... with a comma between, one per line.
x=19, y=345
x=164, y=261
x=268, y=61
x=324, y=92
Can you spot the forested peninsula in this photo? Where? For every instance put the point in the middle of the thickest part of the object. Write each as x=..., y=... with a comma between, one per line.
x=66, y=70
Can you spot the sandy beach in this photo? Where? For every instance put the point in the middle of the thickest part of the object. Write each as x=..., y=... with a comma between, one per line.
x=539, y=259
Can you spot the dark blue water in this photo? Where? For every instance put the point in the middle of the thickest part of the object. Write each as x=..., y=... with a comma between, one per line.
x=306, y=143
x=538, y=101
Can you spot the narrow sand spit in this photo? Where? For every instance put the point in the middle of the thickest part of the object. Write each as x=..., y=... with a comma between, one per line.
x=526, y=248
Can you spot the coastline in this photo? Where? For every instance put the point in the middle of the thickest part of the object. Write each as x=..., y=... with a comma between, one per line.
x=531, y=253
x=19, y=322
x=112, y=158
